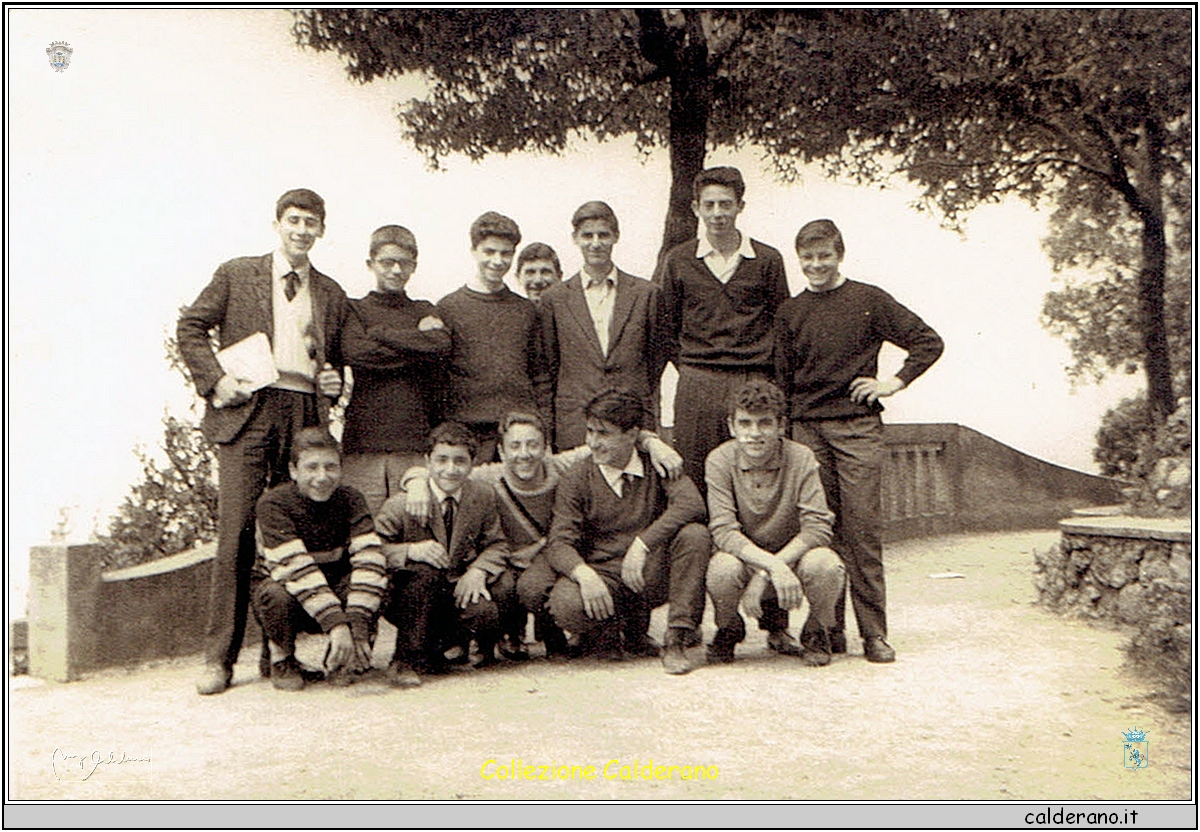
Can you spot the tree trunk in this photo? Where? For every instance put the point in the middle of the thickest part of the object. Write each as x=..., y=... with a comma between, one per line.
x=691, y=104
x=1160, y=392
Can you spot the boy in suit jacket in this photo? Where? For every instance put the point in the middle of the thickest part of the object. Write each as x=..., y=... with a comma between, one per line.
x=600, y=328
x=448, y=572
x=302, y=312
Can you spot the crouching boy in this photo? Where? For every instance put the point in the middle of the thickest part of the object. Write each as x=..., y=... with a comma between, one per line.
x=771, y=530
x=319, y=568
x=448, y=573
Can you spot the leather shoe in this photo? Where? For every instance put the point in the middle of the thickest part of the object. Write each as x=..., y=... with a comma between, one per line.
x=780, y=642
x=642, y=648
x=674, y=659
x=720, y=651
x=877, y=650
x=399, y=674
x=512, y=649
x=819, y=654
x=808, y=638
x=216, y=679
x=286, y=675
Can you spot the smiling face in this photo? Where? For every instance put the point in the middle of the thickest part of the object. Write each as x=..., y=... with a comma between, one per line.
x=523, y=451
x=596, y=239
x=718, y=208
x=493, y=257
x=298, y=230
x=392, y=266
x=449, y=466
x=820, y=261
x=317, y=473
x=537, y=276
x=609, y=444
x=757, y=434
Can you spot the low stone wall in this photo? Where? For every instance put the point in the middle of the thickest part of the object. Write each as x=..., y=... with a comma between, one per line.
x=1130, y=570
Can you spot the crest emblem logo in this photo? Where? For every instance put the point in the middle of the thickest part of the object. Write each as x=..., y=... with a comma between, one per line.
x=59, y=53
x=1137, y=749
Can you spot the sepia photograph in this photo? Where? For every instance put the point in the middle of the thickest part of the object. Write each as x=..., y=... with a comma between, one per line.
x=687, y=417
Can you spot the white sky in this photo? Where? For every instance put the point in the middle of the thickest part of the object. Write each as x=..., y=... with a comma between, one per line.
x=160, y=151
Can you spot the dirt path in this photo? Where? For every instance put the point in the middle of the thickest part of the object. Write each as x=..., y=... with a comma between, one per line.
x=991, y=698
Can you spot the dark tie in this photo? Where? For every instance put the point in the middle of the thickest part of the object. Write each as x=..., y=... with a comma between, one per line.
x=628, y=485
x=291, y=281
x=448, y=518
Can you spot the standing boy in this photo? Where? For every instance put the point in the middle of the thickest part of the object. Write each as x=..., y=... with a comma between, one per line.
x=392, y=344
x=446, y=569
x=827, y=356
x=537, y=270
x=719, y=295
x=320, y=566
x=497, y=363
x=600, y=328
x=770, y=528
x=302, y=312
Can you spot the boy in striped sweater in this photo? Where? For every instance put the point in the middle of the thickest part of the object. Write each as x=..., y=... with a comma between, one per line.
x=320, y=566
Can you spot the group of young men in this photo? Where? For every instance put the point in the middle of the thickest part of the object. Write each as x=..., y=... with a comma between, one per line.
x=499, y=460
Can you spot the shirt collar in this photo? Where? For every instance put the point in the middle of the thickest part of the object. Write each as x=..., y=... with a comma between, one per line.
x=613, y=475
x=771, y=463
x=705, y=248
x=589, y=281
x=280, y=266
x=440, y=495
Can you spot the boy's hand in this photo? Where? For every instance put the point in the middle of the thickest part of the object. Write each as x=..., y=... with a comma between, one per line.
x=471, y=588
x=597, y=600
x=228, y=392
x=341, y=647
x=665, y=459
x=389, y=520
x=361, y=661
x=430, y=552
x=329, y=381
x=787, y=586
x=752, y=597
x=866, y=390
x=633, y=565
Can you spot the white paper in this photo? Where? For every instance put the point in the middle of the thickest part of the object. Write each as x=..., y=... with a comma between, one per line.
x=250, y=362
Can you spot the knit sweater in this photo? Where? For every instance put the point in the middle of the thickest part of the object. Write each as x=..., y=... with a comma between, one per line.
x=394, y=366
x=497, y=363
x=724, y=326
x=825, y=340
x=309, y=547
x=768, y=503
x=593, y=525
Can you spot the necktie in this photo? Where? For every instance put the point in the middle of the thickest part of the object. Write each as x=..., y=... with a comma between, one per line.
x=291, y=281
x=627, y=483
x=448, y=517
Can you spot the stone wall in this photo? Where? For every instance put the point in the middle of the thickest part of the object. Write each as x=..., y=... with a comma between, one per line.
x=1130, y=570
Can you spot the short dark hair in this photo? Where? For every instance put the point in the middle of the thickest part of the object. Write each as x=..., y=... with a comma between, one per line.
x=757, y=396
x=312, y=439
x=820, y=231
x=595, y=210
x=538, y=251
x=725, y=176
x=493, y=224
x=522, y=417
x=301, y=198
x=396, y=235
x=619, y=407
x=452, y=433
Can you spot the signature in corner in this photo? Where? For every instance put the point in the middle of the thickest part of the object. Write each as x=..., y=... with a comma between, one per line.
x=72, y=766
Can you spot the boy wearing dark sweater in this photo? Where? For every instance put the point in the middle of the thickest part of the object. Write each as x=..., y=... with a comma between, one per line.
x=719, y=294
x=392, y=344
x=320, y=567
x=497, y=363
x=827, y=352
x=625, y=540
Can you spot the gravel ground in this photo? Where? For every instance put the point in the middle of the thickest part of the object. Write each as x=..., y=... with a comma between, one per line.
x=991, y=698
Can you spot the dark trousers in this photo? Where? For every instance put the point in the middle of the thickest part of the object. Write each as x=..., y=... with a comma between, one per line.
x=533, y=593
x=256, y=459
x=282, y=616
x=850, y=453
x=421, y=606
x=700, y=414
x=673, y=575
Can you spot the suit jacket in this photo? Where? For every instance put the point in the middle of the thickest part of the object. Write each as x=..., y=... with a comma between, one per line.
x=579, y=370
x=478, y=538
x=237, y=304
